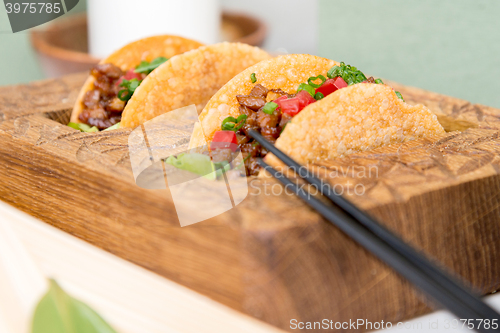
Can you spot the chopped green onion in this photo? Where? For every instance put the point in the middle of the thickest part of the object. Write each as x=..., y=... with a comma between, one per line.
x=234, y=124
x=228, y=124
x=308, y=88
x=115, y=126
x=350, y=74
x=240, y=121
x=333, y=72
x=221, y=168
x=319, y=96
x=147, y=67
x=83, y=127
x=379, y=81
x=124, y=95
x=269, y=108
x=253, y=78
x=130, y=86
x=314, y=78
x=399, y=95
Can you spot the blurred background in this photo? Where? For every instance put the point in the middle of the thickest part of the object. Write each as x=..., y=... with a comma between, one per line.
x=448, y=46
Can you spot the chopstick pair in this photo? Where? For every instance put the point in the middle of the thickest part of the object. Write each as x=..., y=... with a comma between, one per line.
x=384, y=244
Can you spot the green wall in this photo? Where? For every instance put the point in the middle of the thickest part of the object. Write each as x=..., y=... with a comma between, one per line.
x=447, y=46
x=17, y=60
x=18, y=63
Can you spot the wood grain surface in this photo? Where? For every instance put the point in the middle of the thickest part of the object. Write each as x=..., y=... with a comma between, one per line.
x=270, y=257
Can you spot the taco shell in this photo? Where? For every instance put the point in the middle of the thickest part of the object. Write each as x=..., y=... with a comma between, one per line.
x=189, y=78
x=285, y=72
x=356, y=118
x=360, y=117
x=132, y=54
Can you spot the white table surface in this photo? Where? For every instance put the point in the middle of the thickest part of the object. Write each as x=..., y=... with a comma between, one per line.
x=130, y=298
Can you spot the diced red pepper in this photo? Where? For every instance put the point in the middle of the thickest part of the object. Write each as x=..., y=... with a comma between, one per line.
x=327, y=88
x=278, y=100
x=224, y=140
x=331, y=85
x=294, y=105
x=129, y=75
x=290, y=106
x=339, y=82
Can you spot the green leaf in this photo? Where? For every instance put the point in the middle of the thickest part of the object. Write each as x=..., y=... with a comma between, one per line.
x=253, y=78
x=83, y=127
x=57, y=312
x=147, y=67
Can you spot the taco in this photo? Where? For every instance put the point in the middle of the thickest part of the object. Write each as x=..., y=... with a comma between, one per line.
x=112, y=82
x=185, y=79
x=190, y=78
x=312, y=108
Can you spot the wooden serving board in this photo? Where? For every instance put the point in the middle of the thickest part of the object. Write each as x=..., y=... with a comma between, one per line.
x=271, y=257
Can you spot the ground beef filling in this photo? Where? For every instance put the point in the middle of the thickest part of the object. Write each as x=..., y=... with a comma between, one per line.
x=101, y=106
x=269, y=125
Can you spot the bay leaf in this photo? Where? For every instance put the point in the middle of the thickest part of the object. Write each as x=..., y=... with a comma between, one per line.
x=58, y=312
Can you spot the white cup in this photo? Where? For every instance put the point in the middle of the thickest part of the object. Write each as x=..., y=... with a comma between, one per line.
x=115, y=23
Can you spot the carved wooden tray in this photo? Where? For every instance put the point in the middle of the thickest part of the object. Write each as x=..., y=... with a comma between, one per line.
x=271, y=257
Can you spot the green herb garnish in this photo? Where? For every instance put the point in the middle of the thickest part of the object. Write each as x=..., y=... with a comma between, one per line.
x=83, y=127
x=379, y=81
x=319, y=96
x=399, y=95
x=147, y=67
x=269, y=108
x=350, y=74
x=130, y=86
x=234, y=124
x=308, y=88
x=311, y=80
x=58, y=312
x=253, y=78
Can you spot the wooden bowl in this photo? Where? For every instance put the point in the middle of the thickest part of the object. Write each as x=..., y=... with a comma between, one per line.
x=62, y=47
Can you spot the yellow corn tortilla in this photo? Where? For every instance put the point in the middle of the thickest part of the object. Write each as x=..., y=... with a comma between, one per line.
x=360, y=117
x=131, y=55
x=285, y=72
x=356, y=118
x=189, y=78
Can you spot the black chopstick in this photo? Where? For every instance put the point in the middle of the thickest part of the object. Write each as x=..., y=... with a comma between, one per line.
x=384, y=244
x=376, y=228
